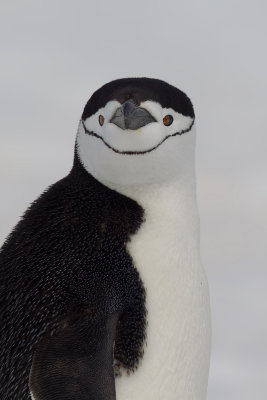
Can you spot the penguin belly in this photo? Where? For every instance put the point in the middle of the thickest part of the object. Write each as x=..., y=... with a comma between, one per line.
x=176, y=358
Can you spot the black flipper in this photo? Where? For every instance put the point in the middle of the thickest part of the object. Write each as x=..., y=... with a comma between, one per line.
x=77, y=362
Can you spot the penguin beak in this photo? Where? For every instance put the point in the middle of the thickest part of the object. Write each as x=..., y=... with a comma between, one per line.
x=130, y=116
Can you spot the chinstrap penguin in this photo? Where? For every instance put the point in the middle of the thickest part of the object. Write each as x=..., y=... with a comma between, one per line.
x=102, y=291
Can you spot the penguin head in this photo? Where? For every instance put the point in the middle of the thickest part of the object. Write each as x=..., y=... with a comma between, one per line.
x=136, y=131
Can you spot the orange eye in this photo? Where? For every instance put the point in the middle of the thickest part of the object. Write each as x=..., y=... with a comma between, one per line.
x=168, y=120
x=101, y=120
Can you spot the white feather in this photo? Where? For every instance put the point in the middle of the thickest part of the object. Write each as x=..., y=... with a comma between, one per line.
x=166, y=253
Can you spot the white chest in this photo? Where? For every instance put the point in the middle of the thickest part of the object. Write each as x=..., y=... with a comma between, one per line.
x=166, y=253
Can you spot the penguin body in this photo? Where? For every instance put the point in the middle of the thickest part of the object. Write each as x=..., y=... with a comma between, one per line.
x=102, y=276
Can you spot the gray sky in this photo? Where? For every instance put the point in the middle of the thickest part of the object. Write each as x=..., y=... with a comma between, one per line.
x=54, y=54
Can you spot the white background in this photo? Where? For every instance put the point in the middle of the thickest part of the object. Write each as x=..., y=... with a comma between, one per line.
x=54, y=54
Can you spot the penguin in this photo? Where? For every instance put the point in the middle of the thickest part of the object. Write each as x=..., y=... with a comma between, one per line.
x=103, y=294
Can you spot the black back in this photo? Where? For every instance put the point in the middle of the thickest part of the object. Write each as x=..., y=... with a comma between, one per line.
x=66, y=256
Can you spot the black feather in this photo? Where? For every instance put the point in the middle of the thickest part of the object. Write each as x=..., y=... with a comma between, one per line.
x=67, y=256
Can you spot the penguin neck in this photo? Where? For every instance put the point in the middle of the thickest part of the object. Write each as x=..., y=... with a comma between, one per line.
x=154, y=195
x=169, y=205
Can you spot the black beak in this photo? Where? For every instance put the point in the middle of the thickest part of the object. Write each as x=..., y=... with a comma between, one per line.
x=130, y=116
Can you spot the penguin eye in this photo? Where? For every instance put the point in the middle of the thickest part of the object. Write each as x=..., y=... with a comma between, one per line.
x=101, y=120
x=168, y=120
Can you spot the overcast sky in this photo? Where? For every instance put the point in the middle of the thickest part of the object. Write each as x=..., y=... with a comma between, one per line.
x=54, y=54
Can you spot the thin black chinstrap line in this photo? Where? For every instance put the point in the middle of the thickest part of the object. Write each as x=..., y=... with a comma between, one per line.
x=136, y=152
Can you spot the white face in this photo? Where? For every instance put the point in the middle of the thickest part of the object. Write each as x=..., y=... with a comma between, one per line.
x=152, y=153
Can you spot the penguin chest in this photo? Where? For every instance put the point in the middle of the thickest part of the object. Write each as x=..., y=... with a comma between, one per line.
x=176, y=357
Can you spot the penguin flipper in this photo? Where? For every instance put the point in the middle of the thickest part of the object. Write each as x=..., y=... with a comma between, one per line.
x=76, y=363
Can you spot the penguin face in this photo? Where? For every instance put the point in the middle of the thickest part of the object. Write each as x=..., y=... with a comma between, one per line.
x=136, y=130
